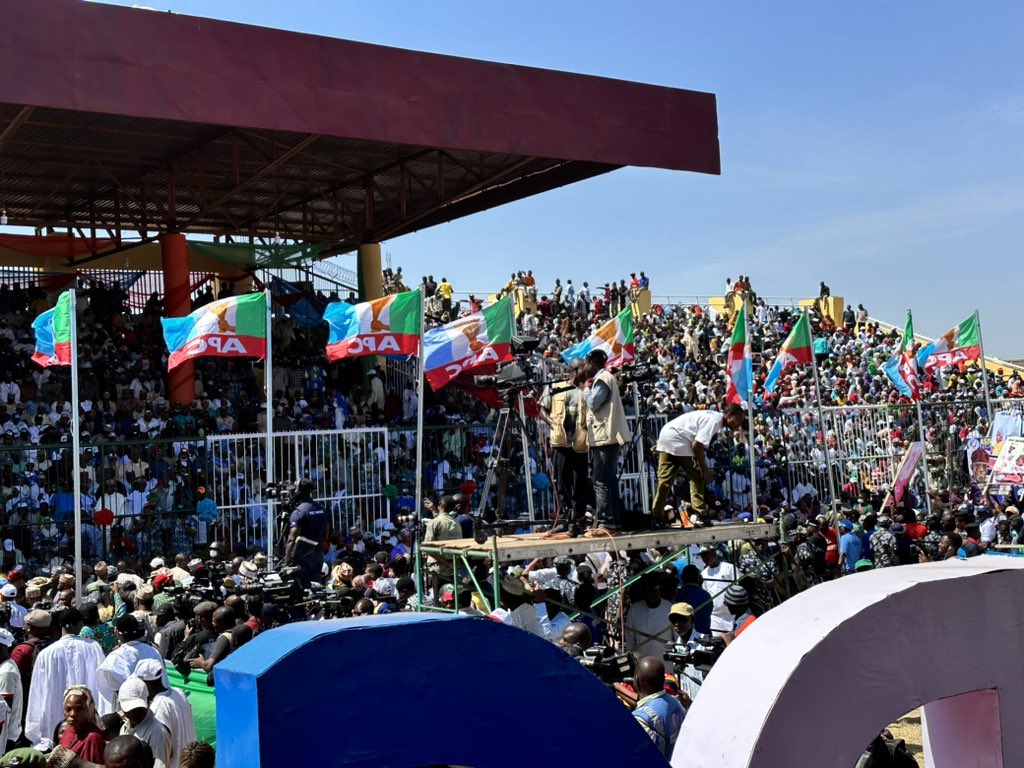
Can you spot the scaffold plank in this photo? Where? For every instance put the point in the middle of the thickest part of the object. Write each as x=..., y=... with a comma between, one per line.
x=533, y=545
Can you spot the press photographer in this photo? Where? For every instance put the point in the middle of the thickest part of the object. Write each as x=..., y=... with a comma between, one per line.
x=307, y=526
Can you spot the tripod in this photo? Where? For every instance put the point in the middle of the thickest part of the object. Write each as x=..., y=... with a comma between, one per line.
x=499, y=468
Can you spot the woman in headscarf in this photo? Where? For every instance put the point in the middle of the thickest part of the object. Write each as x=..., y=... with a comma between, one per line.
x=82, y=734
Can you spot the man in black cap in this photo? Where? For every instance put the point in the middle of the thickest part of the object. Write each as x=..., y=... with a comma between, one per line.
x=607, y=432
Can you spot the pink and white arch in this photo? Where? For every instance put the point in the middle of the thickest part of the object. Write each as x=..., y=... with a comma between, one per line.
x=814, y=680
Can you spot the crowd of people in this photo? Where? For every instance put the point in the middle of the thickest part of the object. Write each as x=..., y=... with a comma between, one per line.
x=146, y=462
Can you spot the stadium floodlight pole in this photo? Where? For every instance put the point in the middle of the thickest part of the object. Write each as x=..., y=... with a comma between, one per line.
x=268, y=384
x=76, y=432
x=420, y=439
x=984, y=369
x=824, y=431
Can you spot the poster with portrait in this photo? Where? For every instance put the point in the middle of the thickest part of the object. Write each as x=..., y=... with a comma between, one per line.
x=1009, y=466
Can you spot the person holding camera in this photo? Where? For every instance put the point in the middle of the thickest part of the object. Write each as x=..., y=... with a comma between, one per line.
x=607, y=432
x=307, y=526
x=565, y=411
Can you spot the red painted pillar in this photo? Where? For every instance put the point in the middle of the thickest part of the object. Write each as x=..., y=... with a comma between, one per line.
x=181, y=382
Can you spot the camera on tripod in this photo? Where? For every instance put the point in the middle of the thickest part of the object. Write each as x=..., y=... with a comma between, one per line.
x=280, y=491
x=608, y=666
x=519, y=373
x=706, y=650
x=636, y=373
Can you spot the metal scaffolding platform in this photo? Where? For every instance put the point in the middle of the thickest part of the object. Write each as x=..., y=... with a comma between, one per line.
x=513, y=549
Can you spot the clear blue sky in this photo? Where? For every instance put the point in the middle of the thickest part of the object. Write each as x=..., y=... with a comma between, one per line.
x=875, y=145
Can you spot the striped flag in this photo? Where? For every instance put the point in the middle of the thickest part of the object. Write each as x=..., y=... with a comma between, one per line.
x=740, y=363
x=53, y=334
x=901, y=368
x=961, y=344
x=615, y=338
x=474, y=340
x=795, y=351
x=232, y=327
x=386, y=326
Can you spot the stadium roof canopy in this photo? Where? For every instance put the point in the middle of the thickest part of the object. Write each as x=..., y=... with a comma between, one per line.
x=117, y=119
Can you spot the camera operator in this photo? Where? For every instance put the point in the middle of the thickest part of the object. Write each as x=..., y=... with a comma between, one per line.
x=690, y=678
x=607, y=432
x=575, y=639
x=565, y=411
x=308, y=523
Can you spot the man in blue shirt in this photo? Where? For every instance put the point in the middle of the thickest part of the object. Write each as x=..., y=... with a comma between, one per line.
x=850, y=547
x=659, y=713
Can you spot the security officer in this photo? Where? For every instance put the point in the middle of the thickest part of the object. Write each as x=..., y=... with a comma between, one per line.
x=308, y=523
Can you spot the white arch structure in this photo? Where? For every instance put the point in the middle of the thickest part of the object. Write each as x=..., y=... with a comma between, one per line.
x=813, y=681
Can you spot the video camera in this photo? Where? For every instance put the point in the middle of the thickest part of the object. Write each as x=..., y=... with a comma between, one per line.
x=518, y=373
x=637, y=373
x=706, y=651
x=608, y=666
x=280, y=491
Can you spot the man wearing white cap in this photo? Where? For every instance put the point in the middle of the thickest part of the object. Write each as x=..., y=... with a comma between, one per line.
x=133, y=698
x=169, y=706
x=11, y=692
x=8, y=594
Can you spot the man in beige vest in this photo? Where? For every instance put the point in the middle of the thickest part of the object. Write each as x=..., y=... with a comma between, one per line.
x=607, y=432
x=565, y=411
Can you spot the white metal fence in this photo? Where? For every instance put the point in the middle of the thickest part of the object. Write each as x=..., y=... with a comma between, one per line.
x=349, y=469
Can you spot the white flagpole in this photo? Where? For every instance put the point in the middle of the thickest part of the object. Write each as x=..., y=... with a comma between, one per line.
x=920, y=429
x=76, y=431
x=984, y=368
x=751, y=457
x=824, y=432
x=268, y=379
x=420, y=439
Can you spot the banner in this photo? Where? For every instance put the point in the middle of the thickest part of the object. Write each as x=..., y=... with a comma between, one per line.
x=1009, y=468
x=913, y=454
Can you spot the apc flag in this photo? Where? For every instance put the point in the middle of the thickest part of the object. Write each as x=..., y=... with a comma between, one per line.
x=386, y=326
x=471, y=341
x=233, y=327
x=740, y=362
x=53, y=334
x=615, y=338
x=901, y=368
x=795, y=351
x=961, y=344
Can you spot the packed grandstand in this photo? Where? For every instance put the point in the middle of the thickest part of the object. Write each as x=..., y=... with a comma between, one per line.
x=177, y=512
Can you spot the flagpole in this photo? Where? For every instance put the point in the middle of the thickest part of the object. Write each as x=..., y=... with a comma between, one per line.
x=420, y=439
x=76, y=431
x=268, y=384
x=984, y=368
x=824, y=431
x=909, y=344
x=750, y=420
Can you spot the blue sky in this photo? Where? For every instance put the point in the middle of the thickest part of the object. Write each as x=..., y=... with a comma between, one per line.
x=875, y=145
